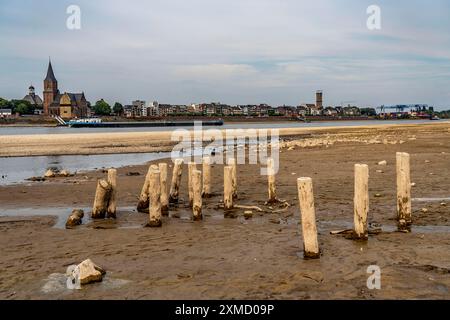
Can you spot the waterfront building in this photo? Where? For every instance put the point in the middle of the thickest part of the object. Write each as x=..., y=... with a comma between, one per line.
x=67, y=105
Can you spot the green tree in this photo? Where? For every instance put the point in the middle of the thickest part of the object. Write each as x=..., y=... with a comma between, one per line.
x=4, y=104
x=368, y=112
x=21, y=107
x=102, y=108
x=118, y=108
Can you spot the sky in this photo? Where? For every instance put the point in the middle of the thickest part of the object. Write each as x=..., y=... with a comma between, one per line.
x=231, y=51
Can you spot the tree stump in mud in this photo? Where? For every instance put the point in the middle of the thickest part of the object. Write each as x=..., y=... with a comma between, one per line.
x=164, y=195
x=112, y=202
x=176, y=180
x=191, y=167
x=271, y=181
x=143, y=203
x=404, y=218
x=227, y=188
x=206, y=166
x=232, y=164
x=155, y=198
x=197, y=195
x=361, y=201
x=308, y=216
x=101, y=199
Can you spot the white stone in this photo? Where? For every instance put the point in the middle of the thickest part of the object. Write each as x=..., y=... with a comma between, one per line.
x=50, y=174
x=89, y=272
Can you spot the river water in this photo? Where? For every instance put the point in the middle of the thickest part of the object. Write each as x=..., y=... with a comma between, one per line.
x=4, y=130
x=16, y=169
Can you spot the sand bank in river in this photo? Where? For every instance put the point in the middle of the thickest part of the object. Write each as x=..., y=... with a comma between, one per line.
x=132, y=142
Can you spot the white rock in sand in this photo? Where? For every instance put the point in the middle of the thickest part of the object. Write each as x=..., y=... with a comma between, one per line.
x=50, y=174
x=84, y=273
x=90, y=272
x=382, y=163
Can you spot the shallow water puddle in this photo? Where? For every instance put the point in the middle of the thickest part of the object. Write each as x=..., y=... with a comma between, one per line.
x=63, y=213
x=430, y=199
x=326, y=226
x=56, y=283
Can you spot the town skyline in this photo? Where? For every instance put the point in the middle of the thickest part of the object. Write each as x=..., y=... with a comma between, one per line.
x=253, y=52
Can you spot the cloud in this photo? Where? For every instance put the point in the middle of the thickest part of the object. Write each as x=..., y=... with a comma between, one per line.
x=234, y=51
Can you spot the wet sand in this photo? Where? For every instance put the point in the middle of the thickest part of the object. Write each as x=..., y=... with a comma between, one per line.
x=258, y=258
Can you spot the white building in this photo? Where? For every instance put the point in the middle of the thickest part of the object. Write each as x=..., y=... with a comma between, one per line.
x=5, y=113
x=141, y=106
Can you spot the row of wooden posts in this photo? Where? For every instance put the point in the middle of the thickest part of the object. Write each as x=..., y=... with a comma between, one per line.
x=155, y=199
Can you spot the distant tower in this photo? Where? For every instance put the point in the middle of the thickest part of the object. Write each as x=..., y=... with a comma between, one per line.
x=50, y=88
x=31, y=90
x=319, y=99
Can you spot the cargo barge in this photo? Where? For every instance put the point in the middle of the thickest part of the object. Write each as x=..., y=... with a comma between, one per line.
x=98, y=123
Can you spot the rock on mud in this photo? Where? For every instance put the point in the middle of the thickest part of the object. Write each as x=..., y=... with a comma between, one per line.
x=86, y=272
x=75, y=218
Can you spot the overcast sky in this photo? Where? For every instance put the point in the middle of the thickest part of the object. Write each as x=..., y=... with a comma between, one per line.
x=232, y=51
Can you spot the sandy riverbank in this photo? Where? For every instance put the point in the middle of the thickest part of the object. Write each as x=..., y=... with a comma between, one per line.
x=133, y=142
x=237, y=258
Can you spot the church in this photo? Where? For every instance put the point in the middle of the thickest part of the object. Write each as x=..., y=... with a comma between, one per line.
x=66, y=105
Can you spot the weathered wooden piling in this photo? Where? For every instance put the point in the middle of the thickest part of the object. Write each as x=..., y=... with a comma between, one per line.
x=155, y=198
x=271, y=181
x=176, y=180
x=206, y=166
x=228, y=188
x=112, y=203
x=232, y=164
x=164, y=196
x=101, y=199
x=308, y=217
x=361, y=201
x=191, y=167
x=404, y=218
x=197, y=195
x=142, y=205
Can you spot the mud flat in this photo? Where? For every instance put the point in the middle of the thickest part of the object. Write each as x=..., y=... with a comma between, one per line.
x=254, y=258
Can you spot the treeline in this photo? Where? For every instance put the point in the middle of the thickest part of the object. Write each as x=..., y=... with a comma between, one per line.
x=443, y=114
x=17, y=106
x=102, y=108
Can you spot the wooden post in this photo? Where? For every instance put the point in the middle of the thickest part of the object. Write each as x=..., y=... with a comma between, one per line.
x=271, y=181
x=197, y=195
x=404, y=218
x=206, y=177
x=155, y=198
x=308, y=217
x=101, y=199
x=232, y=164
x=361, y=201
x=176, y=180
x=191, y=167
x=228, y=188
x=142, y=205
x=164, y=196
x=112, y=204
